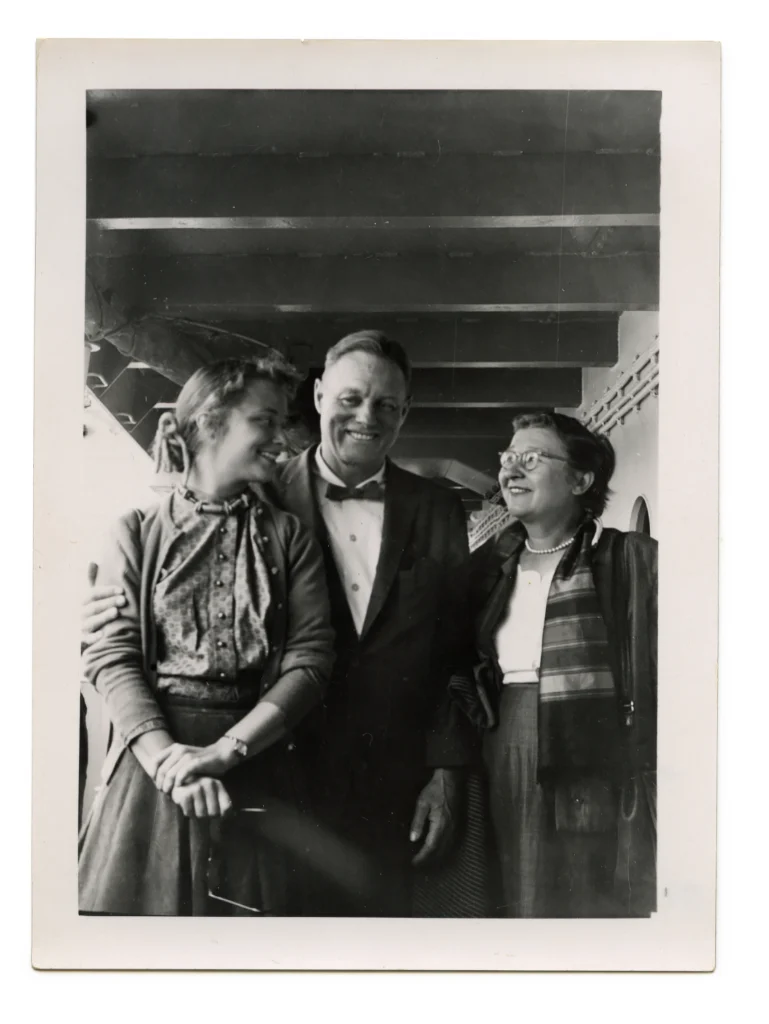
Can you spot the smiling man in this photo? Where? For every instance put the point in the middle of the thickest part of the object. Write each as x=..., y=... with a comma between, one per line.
x=385, y=752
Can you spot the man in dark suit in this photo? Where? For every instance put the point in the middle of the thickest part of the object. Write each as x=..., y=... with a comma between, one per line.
x=385, y=753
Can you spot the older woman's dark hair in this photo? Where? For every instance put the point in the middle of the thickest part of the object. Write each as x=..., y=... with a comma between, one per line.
x=376, y=343
x=588, y=452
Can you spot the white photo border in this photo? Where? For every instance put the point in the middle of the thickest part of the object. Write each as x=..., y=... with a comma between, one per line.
x=681, y=936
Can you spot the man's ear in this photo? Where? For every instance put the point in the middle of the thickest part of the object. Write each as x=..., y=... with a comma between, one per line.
x=317, y=393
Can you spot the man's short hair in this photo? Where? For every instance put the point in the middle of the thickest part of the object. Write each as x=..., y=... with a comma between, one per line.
x=377, y=344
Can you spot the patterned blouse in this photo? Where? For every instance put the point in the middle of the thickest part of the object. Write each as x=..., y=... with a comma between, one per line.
x=211, y=602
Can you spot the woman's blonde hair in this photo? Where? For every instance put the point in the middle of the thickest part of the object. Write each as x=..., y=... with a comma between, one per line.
x=212, y=391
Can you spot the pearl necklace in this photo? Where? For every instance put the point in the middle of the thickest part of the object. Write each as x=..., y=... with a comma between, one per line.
x=548, y=551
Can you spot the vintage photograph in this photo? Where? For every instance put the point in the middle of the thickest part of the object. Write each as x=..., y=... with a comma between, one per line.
x=379, y=635
x=359, y=488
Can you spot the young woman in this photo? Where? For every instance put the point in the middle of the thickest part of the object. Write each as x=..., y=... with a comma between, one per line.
x=565, y=683
x=222, y=646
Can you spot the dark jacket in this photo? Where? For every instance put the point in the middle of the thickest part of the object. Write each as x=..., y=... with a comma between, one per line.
x=386, y=721
x=121, y=665
x=625, y=575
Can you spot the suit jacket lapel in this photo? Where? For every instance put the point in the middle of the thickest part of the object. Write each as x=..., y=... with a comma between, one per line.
x=400, y=505
x=296, y=493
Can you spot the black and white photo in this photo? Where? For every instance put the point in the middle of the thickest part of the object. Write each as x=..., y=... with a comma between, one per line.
x=372, y=497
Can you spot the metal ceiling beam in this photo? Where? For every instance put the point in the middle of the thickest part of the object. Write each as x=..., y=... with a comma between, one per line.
x=494, y=342
x=434, y=122
x=448, y=423
x=339, y=236
x=285, y=188
x=481, y=223
x=497, y=389
x=490, y=341
x=238, y=286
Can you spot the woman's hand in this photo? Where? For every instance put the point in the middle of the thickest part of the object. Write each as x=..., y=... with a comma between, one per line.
x=180, y=763
x=202, y=798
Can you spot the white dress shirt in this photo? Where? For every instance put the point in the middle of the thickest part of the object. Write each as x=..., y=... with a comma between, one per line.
x=519, y=635
x=355, y=532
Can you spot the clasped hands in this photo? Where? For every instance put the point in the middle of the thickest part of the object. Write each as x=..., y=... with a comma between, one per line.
x=190, y=776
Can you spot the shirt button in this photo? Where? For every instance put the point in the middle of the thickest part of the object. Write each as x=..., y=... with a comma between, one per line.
x=274, y=570
x=220, y=643
x=222, y=675
x=265, y=540
x=219, y=583
x=280, y=606
x=291, y=746
x=355, y=586
x=222, y=557
x=222, y=529
x=221, y=615
x=353, y=537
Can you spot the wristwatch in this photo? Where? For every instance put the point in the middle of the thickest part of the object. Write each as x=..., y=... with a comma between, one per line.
x=239, y=747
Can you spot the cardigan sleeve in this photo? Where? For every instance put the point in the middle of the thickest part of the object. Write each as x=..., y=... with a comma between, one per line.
x=114, y=664
x=308, y=654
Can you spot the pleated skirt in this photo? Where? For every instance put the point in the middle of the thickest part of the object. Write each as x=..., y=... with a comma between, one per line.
x=546, y=870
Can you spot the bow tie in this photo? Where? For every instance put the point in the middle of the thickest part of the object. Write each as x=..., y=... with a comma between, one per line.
x=372, y=491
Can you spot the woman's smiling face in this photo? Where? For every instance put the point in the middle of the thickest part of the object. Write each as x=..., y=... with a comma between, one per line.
x=550, y=487
x=252, y=437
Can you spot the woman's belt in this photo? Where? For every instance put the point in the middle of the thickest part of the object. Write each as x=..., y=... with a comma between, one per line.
x=520, y=676
x=184, y=691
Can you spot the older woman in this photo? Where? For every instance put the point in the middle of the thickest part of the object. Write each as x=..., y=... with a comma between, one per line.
x=223, y=645
x=565, y=683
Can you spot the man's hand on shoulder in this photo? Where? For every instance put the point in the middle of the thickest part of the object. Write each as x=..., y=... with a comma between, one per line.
x=101, y=606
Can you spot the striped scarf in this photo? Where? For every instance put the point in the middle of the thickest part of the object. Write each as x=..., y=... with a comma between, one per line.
x=579, y=710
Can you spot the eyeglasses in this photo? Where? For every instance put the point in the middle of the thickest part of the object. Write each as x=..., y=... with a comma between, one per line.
x=527, y=460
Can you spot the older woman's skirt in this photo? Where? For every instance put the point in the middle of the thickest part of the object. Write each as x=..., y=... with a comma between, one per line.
x=563, y=851
x=139, y=855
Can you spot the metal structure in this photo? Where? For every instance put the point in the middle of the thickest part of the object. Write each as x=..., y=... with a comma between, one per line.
x=498, y=235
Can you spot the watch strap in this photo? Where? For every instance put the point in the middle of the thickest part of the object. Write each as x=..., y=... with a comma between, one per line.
x=239, y=746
